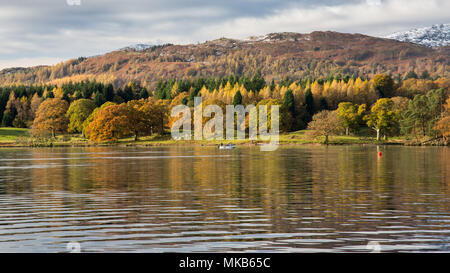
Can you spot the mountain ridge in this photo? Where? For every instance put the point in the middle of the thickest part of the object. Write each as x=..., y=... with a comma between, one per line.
x=275, y=56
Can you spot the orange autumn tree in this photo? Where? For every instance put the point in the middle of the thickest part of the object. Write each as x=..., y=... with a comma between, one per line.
x=139, y=117
x=110, y=124
x=51, y=117
x=90, y=118
x=147, y=116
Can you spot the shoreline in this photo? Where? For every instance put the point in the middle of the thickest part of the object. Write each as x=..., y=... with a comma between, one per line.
x=15, y=138
x=142, y=144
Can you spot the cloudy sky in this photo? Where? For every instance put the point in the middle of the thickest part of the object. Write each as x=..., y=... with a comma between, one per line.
x=36, y=32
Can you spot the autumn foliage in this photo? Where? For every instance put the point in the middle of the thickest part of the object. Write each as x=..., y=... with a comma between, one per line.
x=324, y=123
x=78, y=112
x=443, y=125
x=137, y=117
x=51, y=117
x=388, y=105
x=109, y=124
x=147, y=116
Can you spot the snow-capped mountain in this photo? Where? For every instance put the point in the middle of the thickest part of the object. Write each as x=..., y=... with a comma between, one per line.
x=434, y=36
x=137, y=47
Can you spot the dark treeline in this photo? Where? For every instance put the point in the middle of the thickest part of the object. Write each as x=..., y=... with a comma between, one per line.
x=14, y=99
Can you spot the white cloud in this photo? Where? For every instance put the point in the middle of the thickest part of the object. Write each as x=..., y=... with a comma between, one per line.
x=31, y=29
x=373, y=2
x=377, y=20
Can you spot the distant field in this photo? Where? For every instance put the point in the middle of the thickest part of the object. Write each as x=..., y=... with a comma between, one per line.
x=12, y=134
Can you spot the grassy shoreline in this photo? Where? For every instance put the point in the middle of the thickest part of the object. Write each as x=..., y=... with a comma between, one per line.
x=17, y=137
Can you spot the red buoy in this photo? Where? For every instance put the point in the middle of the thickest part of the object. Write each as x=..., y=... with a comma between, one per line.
x=379, y=153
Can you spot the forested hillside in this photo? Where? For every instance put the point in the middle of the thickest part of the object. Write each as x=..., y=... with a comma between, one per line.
x=274, y=56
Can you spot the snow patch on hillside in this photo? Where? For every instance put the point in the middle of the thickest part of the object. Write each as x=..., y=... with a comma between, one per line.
x=136, y=47
x=434, y=36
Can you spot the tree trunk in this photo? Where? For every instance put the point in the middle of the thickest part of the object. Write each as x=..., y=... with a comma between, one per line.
x=378, y=134
x=53, y=133
x=346, y=131
x=326, y=139
x=135, y=136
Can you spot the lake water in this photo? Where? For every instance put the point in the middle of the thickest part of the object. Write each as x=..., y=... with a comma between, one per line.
x=201, y=199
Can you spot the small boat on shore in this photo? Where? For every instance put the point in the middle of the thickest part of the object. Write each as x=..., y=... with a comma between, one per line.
x=229, y=146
